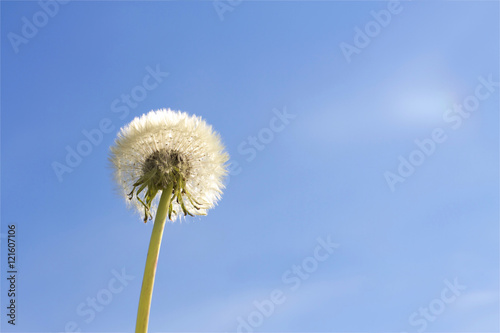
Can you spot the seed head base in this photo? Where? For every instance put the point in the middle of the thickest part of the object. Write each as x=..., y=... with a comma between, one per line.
x=160, y=169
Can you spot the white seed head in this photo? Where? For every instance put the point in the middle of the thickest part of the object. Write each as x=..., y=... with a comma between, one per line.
x=164, y=147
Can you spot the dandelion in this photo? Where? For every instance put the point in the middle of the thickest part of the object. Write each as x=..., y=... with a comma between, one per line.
x=173, y=154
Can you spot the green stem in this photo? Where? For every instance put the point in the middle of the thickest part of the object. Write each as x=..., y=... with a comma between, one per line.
x=151, y=261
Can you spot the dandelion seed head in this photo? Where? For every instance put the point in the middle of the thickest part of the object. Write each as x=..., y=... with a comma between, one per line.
x=169, y=147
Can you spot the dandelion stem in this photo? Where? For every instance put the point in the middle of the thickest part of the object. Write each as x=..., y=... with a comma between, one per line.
x=151, y=261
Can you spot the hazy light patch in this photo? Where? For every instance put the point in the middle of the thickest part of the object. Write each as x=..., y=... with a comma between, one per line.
x=329, y=294
x=420, y=91
x=215, y=313
x=477, y=299
x=221, y=314
x=484, y=322
x=419, y=106
x=478, y=311
x=413, y=96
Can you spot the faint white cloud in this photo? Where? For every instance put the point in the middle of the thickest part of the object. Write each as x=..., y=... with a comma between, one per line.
x=213, y=314
x=479, y=311
x=419, y=92
x=477, y=299
x=219, y=313
x=326, y=293
x=411, y=98
x=415, y=105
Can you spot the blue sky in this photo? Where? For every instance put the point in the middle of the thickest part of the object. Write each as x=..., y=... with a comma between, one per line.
x=369, y=152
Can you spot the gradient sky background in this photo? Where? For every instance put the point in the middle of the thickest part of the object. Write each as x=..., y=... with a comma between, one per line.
x=321, y=176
